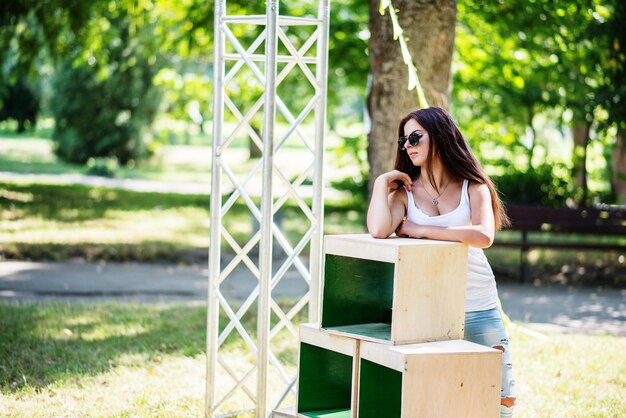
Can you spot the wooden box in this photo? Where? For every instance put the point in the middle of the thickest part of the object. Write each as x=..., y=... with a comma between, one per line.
x=327, y=374
x=394, y=290
x=429, y=380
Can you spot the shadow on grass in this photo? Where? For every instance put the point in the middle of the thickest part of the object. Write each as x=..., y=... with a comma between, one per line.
x=146, y=251
x=71, y=203
x=39, y=167
x=43, y=343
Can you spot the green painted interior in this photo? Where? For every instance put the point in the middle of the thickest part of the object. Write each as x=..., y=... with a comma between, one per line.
x=380, y=391
x=334, y=413
x=356, y=291
x=324, y=381
x=377, y=330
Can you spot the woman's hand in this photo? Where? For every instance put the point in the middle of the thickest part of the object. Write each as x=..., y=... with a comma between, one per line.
x=387, y=204
x=393, y=179
x=408, y=229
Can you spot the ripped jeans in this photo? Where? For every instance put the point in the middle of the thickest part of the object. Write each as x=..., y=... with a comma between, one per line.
x=487, y=328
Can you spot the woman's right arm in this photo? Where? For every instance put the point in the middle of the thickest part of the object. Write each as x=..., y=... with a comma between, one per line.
x=386, y=209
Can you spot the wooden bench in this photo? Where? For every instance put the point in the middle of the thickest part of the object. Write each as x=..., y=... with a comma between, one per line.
x=586, y=221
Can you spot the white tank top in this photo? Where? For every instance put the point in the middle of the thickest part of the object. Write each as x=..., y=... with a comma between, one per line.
x=481, y=293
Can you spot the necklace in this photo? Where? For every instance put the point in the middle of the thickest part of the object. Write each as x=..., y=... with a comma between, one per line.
x=435, y=202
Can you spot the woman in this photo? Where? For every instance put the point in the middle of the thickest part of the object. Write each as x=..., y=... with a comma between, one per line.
x=438, y=190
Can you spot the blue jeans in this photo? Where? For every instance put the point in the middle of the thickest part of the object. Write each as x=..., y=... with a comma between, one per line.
x=487, y=328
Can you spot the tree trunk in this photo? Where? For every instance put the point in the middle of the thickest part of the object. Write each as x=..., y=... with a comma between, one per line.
x=581, y=140
x=429, y=27
x=619, y=167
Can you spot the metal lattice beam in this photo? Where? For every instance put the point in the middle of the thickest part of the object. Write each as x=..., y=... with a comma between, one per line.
x=273, y=45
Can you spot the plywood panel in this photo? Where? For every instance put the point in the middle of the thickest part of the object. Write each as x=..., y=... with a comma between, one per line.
x=429, y=303
x=462, y=385
x=364, y=246
x=333, y=413
x=369, y=332
x=386, y=355
x=442, y=379
x=361, y=246
x=419, y=290
x=311, y=334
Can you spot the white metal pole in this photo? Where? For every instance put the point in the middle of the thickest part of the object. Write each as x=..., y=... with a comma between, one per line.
x=265, y=251
x=318, y=176
x=216, y=201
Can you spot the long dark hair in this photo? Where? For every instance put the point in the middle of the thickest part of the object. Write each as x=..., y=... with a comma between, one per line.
x=447, y=142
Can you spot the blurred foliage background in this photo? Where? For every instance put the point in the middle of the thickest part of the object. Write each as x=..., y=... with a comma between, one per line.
x=539, y=87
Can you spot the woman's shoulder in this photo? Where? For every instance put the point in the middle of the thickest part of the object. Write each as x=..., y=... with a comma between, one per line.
x=476, y=185
x=476, y=189
x=400, y=195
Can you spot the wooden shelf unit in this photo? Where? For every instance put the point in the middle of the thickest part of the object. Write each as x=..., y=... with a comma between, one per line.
x=429, y=380
x=395, y=290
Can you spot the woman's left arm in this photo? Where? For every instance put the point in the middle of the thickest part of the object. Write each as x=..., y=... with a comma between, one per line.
x=479, y=234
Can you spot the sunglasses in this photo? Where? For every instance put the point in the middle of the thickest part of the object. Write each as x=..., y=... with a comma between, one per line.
x=413, y=138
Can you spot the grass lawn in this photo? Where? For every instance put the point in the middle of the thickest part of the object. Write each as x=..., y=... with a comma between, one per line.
x=149, y=360
x=33, y=153
x=57, y=222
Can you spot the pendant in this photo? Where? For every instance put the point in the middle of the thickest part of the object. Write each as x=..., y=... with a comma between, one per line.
x=435, y=202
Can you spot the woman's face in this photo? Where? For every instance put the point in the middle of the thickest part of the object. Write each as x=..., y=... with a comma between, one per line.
x=418, y=152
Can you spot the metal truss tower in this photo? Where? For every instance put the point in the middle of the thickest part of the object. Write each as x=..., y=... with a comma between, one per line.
x=270, y=76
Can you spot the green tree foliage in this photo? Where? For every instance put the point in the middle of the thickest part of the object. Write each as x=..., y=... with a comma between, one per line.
x=103, y=106
x=178, y=38
x=31, y=29
x=33, y=36
x=545, y=185
x=348, y=65
x=503, y=76
x=103, y=117
x=21, y=102
x=520, y=61
x=115, y=49
x=106, y=56
x=612, y=91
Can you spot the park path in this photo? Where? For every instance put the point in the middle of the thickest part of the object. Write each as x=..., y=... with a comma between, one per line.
x=558, y=308
x=149, y=186
x=137, y=185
